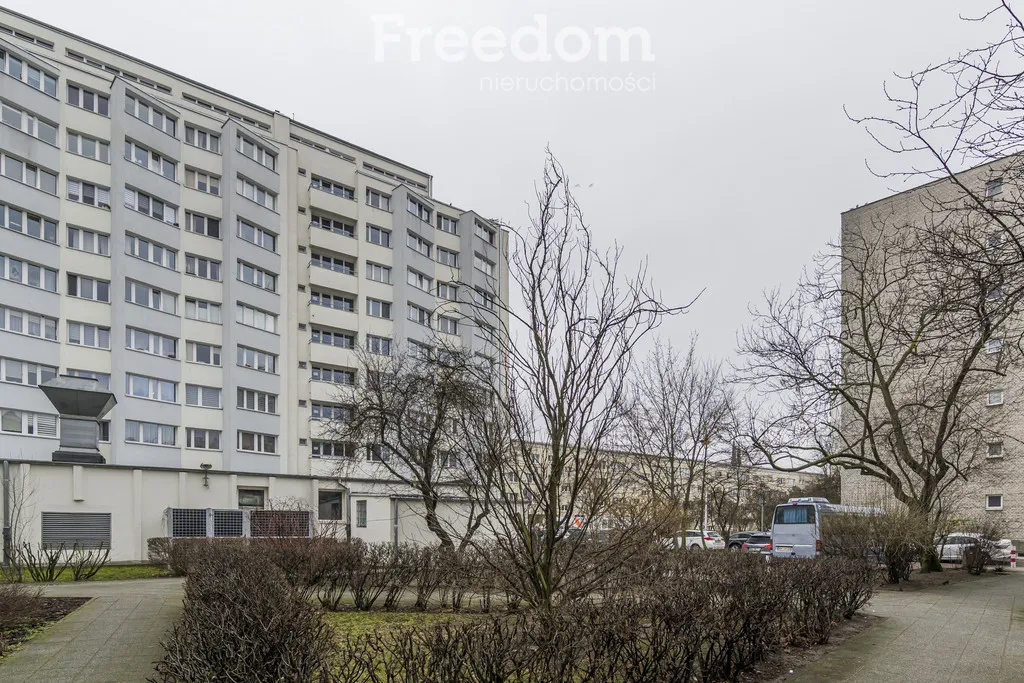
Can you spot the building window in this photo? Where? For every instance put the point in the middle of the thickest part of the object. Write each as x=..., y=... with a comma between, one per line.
x=329, y=505
x=256, y=152
x=204, y=354
x=361, y=514
x=102, y=377
x=483, y=265
x=419, y=210
x=152, y=388
x=150, y=433
x=994, y=449
x=28, y=123
x=375, y=308
x=485, y=233
x=447, y=291
x=22, y=322
x=484, y=299
x=993, y=188
x=89, y=241
x=202, y=439
x=205, y=311
x=26, y=73
x=419, y=315
x=327, y=411
x=419, y=280
x=150, y=342
x=149, y=159
x=341, y=302
x=420, y=351
x=202, y=181
x=378, y=236
x=334, y=375
x=447, y=224
x=26, y=223
x=378, y=200
x=206, y=269
x=318, y=183
x=378, y=273
x=338, y=264
x=88, y=288
x=257, y=360
x=150, y=297
x=202, y=225
x=88, y=100
x=259, y=401
x=21, y=372
x=254, y=442
x=254, y=317
x=26, y=273
x=87, y=193
x=88, y=147
x=993, y=346
x=258, y=236
x=28, y=174
x=256, y=193
x=994, y=502
x=150, y=206
x=202, y=397
x=202, y=139
x=26, y=423
x=995, y=398
x=150, y=251
x=147, y=113
x=251, y=499
x=344, y=340
x=418, y=244
x=335, y=225
x=447, y=325
x=448, y=258
x=380, y=346
x=84, y=334
x=333, y=449
x=257, y=277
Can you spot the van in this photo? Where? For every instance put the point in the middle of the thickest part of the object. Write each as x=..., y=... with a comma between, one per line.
x=796, y=526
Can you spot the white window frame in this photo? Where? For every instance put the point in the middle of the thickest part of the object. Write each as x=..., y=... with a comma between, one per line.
x=257, y=318
x=378, y=199
x=212, y=308
x=155, y=208
x=161, y=432
x=156, y=299
x=262, y=361
x=257, y=152
x=988, y=501
x=994, y=397
x=211, y=141
x=203, y=268
x=28, y=173
x=27, y=223
x=447, y=224
x=200, y=396
x=77, y=238
x=150, y=114
x=256, y=401
x=79, y=189
x=378, y=308
x=192, y=353
x=155, y=388
x=208, y=437
x=151, y=252
x=260, y=444
x=382, y=272
x=253, y=234
x=255, y=192
x=195, y=179
x=155, y=344
x=378, y=235
x=143, y=156
x=255, y=276
x=100, y=102
x=79, y=333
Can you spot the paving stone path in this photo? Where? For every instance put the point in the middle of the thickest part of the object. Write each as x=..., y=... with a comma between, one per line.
x=969, y=631
x=113, y=638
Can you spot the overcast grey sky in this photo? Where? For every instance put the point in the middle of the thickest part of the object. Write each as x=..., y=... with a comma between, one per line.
x=730, y=173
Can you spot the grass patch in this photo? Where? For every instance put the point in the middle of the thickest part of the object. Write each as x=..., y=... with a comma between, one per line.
x=114, y=573
x=355, y=623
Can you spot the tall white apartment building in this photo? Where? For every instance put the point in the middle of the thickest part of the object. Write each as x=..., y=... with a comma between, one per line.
x=214, y=262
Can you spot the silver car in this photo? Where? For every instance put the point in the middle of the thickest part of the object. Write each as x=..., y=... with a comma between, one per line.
x=758, y=543
x=951, y=548
x=710, y=540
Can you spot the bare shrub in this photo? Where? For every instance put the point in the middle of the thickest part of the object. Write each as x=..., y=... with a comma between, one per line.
x=44, y=563
x=241, y=621
x=18, y=603
x=85, y=563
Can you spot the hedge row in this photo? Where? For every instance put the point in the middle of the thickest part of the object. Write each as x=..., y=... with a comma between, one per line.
x=684, y=617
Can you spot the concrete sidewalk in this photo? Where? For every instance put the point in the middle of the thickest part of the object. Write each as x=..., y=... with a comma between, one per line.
x=968, y=631
x=113, y=638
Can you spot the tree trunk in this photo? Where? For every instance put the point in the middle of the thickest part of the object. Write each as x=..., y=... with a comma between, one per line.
x=434, y=524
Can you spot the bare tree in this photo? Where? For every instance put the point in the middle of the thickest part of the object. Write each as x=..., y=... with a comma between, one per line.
x=877, y=362
x=567, y=352
x=680, y=405
x=418, y=417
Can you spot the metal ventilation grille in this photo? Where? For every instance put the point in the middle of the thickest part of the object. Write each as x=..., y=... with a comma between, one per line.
x=227, y=523
x=87, y=529
x=187, y=522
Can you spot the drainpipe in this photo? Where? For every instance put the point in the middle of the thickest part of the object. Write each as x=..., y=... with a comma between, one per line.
x=7, y=514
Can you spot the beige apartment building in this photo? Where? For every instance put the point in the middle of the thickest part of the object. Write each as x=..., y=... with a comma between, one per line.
x=994, y=487
x=216, y=264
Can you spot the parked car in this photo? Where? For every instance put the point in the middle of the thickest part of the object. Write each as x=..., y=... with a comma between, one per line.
x=710, y=540
x=757, y=543
x=950, y=548
x=736, y=539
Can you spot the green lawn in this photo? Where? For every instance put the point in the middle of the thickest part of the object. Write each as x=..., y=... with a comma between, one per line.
x=355, y=623
x=115, y=573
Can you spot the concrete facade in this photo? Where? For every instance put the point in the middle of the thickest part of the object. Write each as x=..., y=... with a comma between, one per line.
x=993, y=473
x=210, y=260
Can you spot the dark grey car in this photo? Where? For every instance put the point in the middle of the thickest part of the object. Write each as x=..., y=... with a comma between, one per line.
x=758, y=543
